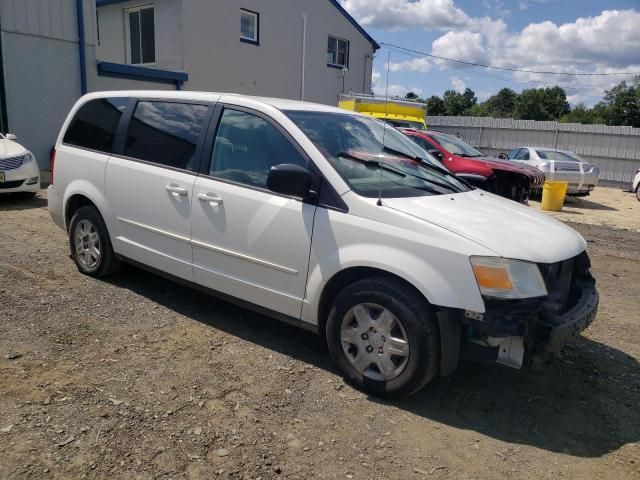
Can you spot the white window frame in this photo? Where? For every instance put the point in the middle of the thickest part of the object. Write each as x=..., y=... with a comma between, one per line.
x=338, y=39
x=256, y=26
x=127, y=30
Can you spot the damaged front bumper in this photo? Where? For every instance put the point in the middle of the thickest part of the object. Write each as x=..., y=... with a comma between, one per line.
x=519, y=332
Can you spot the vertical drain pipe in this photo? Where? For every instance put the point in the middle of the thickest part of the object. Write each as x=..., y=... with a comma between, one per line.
x=304, y=53
x=81, y=46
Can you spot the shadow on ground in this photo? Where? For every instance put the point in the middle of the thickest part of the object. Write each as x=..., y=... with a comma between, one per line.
x=18, y=201
x=583, y=405
x=581, y=202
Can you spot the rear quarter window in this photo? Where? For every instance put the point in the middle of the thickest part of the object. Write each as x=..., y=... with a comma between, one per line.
x=166, y=133
x=95, y=124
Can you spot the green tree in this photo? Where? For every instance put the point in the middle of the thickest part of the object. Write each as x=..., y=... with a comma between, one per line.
x=456, y=103
x=582, y=114
x=541, y=104
x=622, y=104
x=411, y=96
x=501, y=104
x=435, y=106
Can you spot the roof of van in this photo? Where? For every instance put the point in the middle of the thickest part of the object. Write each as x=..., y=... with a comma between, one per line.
x=279, y=103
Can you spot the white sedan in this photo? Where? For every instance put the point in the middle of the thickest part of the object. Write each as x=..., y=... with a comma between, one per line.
x=635, y=186
x=19, y=171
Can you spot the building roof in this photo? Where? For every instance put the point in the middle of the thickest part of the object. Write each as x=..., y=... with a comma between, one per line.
x=335, y=3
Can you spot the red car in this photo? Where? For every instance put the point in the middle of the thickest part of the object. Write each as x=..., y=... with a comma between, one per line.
x=507, y=179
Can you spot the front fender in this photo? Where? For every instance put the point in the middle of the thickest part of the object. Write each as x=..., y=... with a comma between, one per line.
x=436, y=263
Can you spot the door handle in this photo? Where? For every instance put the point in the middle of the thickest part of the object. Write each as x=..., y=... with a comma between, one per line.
x=175, y=189
x=211, y=198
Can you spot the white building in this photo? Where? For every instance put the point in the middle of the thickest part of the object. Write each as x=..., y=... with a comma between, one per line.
x=55, y=50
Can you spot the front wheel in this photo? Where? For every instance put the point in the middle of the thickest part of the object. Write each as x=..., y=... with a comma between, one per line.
x=638, y=192
x=90, y=244
x=384, y=337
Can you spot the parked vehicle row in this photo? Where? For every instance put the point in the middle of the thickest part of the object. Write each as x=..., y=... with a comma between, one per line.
x=328, y=219
x=561, y=165
x=19, y=172
x=507, y=179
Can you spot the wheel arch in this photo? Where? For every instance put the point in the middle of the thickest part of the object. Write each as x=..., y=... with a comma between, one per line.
x=347, y=276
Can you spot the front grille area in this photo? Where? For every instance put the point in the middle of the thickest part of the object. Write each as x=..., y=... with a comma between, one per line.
x=564, y=281
x=12, y=184
x=11, y=163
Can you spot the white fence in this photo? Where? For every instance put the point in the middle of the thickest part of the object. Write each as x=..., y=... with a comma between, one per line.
x=615, y=150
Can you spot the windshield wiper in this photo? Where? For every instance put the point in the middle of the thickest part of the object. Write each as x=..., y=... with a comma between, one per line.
x=390, y=168
x=373, y=163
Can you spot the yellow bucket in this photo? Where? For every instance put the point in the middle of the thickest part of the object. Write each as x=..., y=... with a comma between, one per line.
x=553, y=195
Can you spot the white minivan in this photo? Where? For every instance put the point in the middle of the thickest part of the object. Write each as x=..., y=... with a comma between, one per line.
x=325, y=218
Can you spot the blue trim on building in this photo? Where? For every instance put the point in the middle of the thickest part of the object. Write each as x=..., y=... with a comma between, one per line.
x=134, y=72
x=81, y=46
x=335, y=3
x=104, y=3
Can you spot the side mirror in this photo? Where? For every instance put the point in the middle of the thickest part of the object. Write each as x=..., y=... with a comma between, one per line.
x=502, y=156
x=290, y=179
x=10, y=136
x=436, y=153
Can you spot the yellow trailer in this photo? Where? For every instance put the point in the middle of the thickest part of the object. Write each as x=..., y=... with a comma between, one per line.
x=399, y=113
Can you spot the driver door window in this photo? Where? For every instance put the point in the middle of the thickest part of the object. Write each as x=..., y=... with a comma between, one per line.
x=247, y=146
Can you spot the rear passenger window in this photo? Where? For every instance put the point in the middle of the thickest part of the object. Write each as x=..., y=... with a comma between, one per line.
x=95, y=124
x=247, y=146
x=166, y=133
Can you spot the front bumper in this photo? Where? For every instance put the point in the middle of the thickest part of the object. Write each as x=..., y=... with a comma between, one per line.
x=540, y=326
x=25, y=178
x=555, y=332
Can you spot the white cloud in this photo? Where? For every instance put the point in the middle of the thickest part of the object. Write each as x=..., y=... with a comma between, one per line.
x=609, y=39
x=398, y=14
x=421, y=64
x=379, y=87
x=458, y=84
x=462, y=45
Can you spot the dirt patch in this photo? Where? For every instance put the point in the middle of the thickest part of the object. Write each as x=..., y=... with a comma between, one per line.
x=138, y=377
x=611, y=207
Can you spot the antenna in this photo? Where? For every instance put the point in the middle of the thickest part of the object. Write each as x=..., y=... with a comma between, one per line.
x=384, y=125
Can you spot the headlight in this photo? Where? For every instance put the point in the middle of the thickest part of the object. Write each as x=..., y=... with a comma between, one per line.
x=27, y=158
x=504, y=278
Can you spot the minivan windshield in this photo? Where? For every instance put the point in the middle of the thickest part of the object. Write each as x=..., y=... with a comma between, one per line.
x=353, y=144
x=455, y=146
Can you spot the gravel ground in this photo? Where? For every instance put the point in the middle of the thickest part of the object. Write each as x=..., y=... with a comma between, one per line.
x=611, y=207
x=137, y=377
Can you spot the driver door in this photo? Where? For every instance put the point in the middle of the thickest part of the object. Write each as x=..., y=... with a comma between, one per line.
x=249, y=242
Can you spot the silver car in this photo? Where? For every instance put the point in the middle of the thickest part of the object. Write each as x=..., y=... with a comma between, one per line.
x=563, y=165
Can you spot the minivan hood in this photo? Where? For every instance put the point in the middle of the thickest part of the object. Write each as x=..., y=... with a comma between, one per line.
x=508, y=228
x=9, y=148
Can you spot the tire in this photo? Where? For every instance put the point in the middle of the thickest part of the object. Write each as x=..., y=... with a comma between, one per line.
x=98, y=262
x=638, y=192
x=413, y=320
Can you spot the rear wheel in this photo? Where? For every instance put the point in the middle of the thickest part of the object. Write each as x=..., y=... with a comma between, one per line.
x=90, y=244
x=384, y=337
x=638, y=192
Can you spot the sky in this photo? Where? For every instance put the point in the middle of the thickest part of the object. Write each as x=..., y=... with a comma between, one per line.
x=586, y=36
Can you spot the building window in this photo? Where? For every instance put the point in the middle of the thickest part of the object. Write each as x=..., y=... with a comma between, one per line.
x=249, y=26
x=338, y=52
x=141, y=35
